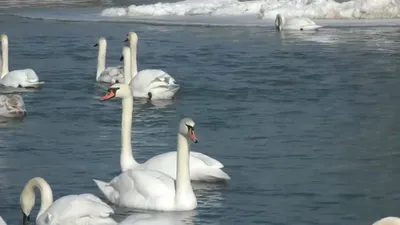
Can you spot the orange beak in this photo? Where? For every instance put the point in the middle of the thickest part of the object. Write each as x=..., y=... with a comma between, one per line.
x=109, y=95
x=192, y=136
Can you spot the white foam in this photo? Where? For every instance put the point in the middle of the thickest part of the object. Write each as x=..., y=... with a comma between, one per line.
x=266, y=9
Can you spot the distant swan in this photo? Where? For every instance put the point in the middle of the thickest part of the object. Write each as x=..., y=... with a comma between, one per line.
x=12, y=106
x=202, y=167
x=149, y=83
x=295, y=23
x=25, y=78
x=68, y=210
x=153, y=190
x=388, y=221
x=110, y=75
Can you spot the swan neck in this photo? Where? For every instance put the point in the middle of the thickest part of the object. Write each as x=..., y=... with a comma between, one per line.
x=101, y=59
x=183, y=184
x=127, y=68
x=28, y=195
x=127, y=160
x=4, y=55
x=133, y=46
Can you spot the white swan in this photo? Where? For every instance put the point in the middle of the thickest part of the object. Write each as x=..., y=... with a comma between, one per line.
x=202, y=167
x=25, y=78
x=110, y=74
x=12, y=105
x=84, y=209
x=388, y=221
x=149, y=83
x=295, y=23
x=2, y=222
x=154, y=190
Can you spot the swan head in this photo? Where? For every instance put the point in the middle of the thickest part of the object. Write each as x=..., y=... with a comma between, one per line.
x=186, y=128
x=279, y=21
x=27, y=201
x=4, y=38
x=119, y=90
x=131, y=36
x=102, y=42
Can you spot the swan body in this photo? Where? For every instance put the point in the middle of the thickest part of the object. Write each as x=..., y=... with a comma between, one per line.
x=84, y=209
x=388, y=221
x=150, y=189
x=150, y=83
x=202, y=167
x=298, y=23
x=110, y=75
x=25, y=78
x=12, y=106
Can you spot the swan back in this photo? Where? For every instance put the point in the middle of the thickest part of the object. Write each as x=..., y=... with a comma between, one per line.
x=79, y=209
x=27, y=198
x=388, y=221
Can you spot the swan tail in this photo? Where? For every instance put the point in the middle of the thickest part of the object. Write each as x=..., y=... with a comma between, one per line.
x=108, y=191
x=211, y=175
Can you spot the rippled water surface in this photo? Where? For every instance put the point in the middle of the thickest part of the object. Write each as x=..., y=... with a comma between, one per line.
x=306, y=124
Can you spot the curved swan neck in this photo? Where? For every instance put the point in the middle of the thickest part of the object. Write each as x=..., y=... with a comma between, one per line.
x=4, y=55
x=27, y=198
x=101, y=58
x=183, y=184
x=133, y=46
x=127, y=161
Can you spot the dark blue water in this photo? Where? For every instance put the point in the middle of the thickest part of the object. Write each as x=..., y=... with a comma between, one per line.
x=307, y=125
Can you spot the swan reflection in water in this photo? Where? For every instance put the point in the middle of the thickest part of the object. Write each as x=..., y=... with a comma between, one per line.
x=157, y=218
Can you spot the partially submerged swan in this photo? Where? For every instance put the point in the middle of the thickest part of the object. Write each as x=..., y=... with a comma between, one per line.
x=12, y=106
x=68, y=210
x=297, y=23
x=25, y=78
x=112, y=74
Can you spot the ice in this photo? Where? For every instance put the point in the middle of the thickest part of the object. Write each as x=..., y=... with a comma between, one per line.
x=266, y=9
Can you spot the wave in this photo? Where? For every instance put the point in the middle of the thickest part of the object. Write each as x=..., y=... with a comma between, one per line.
x=266, y=9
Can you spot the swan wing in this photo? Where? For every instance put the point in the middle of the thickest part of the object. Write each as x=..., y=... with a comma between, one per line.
x=21, y=78
x=202, y=167
x=77, y=209
x=299, y=22
x=207, y=160
x=112, y=75
x=160, y=84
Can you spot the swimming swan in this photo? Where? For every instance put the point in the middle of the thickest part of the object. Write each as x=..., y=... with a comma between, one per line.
x=388, y=221
x=202, y=167
x=84, y=209
x=110, y=74
x=25, y=78
x=12, y=106
x=149, y=83
x=153, y=190
x=295, y=23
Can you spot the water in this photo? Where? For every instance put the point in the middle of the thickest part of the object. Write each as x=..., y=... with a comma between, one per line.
x=306, y=124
